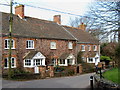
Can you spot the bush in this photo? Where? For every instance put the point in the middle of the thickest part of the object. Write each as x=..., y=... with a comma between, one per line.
x=18, y=74
x=88, y=68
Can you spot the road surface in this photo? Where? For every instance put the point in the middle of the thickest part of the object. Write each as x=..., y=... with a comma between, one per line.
x=80, y=81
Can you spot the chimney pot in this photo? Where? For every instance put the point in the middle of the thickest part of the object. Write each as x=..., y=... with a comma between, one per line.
x=82, y=26
x=19, y=10
x=57, y=19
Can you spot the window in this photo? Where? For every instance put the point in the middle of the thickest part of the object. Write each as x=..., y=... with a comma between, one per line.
x=53, y=45
x=90, y=59
x=94, y=48
x=53, y=62
x=89, y=47
x=27, y=62
x=69, y=61
x=82, y=47
x=30, y=44
x=13, y=62
x=7, y=41
x=70, y=45
x=37, y=62
x=62, y=61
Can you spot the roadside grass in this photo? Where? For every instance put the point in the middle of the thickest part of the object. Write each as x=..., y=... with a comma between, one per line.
x=112, y=75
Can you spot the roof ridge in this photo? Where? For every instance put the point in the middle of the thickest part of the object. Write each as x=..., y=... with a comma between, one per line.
x=69, y=33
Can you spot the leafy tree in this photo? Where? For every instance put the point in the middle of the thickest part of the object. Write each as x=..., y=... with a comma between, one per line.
x=79, y=57
x=105, y=58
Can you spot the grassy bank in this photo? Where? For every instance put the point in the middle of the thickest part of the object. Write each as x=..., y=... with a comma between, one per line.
x=112, y=75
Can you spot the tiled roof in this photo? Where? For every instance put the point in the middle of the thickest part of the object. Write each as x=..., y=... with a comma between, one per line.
x=30, y=55
x=33, y=27
x=64, y=56
x=37, y=28
x=82, y=36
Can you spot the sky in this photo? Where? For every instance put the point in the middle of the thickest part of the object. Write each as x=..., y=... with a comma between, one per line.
x=79, y=7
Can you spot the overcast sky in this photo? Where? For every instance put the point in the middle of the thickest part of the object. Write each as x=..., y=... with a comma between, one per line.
x=78, y=7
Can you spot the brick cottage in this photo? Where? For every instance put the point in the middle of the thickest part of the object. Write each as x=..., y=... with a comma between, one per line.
x=37, y=42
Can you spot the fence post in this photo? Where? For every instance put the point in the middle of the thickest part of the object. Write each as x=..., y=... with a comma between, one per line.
x=91, y=82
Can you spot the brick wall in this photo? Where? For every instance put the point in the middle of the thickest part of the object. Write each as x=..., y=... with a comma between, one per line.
x=42, y=45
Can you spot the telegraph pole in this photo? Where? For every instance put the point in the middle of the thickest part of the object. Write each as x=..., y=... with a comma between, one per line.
x=10, y=39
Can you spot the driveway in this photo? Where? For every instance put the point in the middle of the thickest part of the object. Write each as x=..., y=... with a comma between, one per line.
x=81, y=81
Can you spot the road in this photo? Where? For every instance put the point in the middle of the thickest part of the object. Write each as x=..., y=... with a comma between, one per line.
x=80, y=81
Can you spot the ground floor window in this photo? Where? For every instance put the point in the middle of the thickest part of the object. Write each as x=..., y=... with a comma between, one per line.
x=53, y=61
x=13, y=62
x=28, y=62
x=90, y=59
x=62, y=61
x=69, y=61
x=37, y=62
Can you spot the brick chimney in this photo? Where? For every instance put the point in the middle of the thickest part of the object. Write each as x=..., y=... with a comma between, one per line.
x=82, y=27
x=19, y=10
x=57, y=19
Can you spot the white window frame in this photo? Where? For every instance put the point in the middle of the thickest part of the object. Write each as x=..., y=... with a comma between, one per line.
x=62, y=61
x=38, y=63
x=95, y=48
x=53, y=45
x=30, y=44
x=14, y=64
x=89, y=60
x=7, y=47
x=89, y=48
x=70, y=45
x=26, y=64
x=70, y=61
x=83, y=47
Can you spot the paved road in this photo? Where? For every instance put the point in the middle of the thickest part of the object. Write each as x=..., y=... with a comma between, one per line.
x=81, y=81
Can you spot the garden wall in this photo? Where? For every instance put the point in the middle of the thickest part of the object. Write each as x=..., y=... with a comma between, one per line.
x=104, y=84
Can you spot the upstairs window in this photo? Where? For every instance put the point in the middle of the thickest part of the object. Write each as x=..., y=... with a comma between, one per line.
x=53, y=45
x=82, y=47
x=30, y=44
x=7, y=44
x=95, y=48
x=70, y=45
x=13, y=62
x=89, y=48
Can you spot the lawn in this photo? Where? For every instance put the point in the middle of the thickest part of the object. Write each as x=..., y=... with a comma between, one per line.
x=112, y=75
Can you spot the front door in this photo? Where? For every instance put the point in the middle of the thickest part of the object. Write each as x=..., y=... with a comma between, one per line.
x=36, y=69
x=36, y=63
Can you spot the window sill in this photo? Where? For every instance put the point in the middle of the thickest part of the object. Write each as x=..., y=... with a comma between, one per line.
x=30, y=48
x=82, y=50
x=8, y=67
x=53, y=48
x=8, y=48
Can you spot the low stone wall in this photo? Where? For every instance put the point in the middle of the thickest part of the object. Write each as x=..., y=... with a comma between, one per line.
x=104, y=84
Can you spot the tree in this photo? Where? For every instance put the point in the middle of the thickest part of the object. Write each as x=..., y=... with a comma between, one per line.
x=79, y=57
x=106, y=17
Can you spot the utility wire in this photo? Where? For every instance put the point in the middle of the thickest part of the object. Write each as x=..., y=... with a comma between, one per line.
x=4, y=4
x=50, y=9
x=45, y=9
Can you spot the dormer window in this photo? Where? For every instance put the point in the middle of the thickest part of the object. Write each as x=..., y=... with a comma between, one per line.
x=82, y=47
x=7, y=44
x=30, y=44
x=95, y=48
x=70, y=45
x=53, y=45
